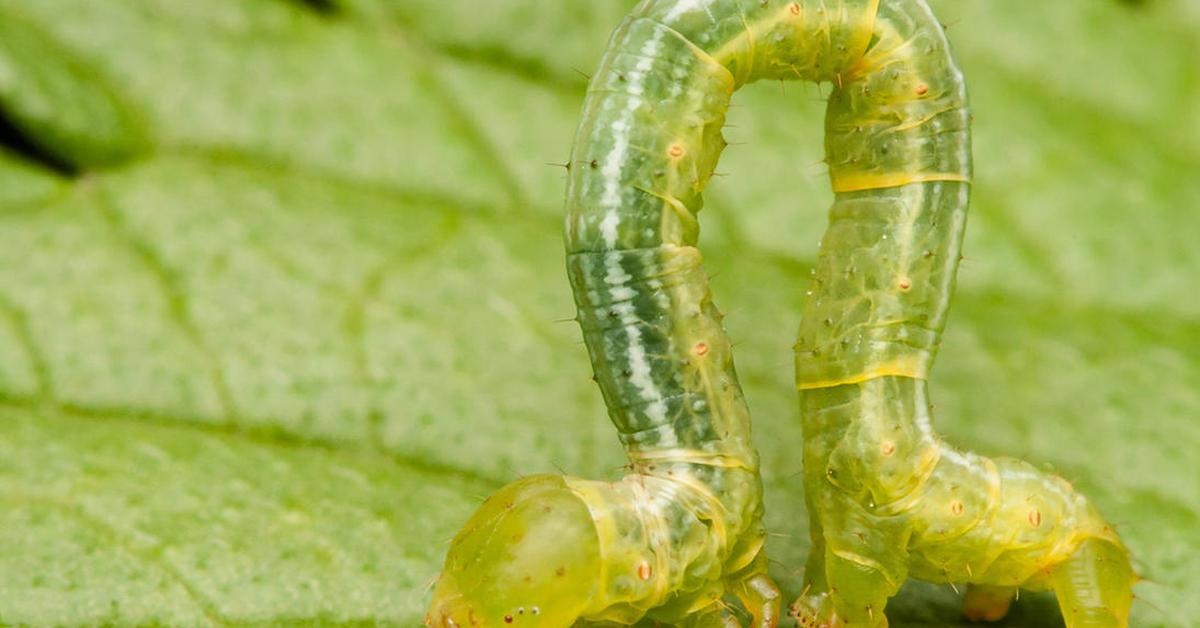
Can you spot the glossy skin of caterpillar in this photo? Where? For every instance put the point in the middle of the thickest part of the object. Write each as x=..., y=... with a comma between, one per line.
x=684, y=528
x=887, y=499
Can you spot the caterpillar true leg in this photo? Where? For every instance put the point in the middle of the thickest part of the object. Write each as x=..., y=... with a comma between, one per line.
x=758, y=593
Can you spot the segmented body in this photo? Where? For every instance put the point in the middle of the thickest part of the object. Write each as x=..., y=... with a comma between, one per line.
x=887, y=498
x=684, y=528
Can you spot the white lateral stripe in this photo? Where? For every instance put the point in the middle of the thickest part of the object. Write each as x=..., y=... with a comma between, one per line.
x=639, y=365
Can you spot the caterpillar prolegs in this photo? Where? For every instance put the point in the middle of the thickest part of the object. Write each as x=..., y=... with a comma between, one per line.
x=886, y=498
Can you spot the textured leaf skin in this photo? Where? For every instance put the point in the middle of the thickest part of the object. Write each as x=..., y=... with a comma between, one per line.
x=70, y=112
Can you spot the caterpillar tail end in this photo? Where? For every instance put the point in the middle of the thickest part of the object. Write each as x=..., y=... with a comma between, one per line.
x=1094, y=586
x=528, y=557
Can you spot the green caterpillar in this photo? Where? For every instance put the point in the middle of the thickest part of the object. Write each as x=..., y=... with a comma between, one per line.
x=887, y=499
x=672, y=538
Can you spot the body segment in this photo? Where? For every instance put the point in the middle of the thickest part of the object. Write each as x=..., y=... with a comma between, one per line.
x=886, y=497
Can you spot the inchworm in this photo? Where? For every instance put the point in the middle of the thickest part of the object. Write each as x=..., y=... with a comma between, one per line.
x=886, y=498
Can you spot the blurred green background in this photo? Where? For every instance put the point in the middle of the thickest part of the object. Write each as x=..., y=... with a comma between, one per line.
x=282, y=291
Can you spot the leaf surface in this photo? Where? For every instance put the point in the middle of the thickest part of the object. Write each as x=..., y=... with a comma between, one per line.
x=282, y=291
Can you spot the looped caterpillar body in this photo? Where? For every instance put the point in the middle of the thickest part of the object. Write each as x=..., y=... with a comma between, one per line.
x=670, y=539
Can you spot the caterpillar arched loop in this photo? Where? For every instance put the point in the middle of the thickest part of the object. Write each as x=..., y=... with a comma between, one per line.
x=887, y=499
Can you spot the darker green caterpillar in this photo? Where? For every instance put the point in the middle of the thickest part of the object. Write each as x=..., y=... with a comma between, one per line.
x=887, y=499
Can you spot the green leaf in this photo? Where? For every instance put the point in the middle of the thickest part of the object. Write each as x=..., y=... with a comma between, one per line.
x=281, y=291
x=61, y=102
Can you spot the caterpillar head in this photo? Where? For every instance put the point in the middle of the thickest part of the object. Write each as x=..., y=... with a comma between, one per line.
x=528, y=557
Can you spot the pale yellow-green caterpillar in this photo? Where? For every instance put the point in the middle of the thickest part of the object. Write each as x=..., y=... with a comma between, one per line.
x=886, y=498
